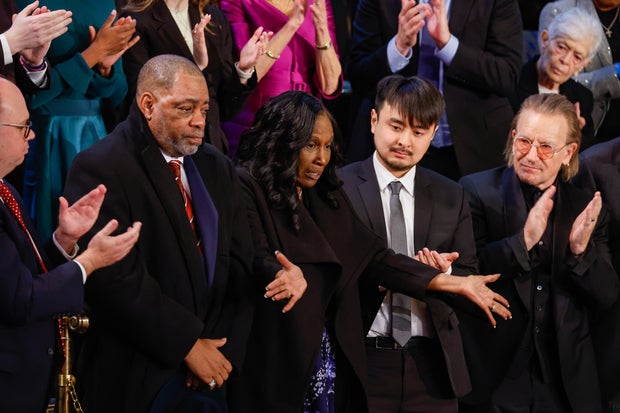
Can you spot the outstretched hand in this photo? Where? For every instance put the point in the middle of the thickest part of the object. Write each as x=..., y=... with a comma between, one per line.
x=289, y=283
x=475, y=288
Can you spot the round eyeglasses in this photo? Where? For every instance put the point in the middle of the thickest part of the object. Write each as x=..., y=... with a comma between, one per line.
x=544, y=150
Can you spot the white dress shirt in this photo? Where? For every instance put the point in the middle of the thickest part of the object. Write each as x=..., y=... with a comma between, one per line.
x=420, y=321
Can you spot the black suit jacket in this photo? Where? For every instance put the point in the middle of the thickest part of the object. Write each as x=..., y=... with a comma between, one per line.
x=442, y=222
x=575, y=92
x=159, y=34
x=29, y=300
x=333, y=249
x=483, y=73
x=150, y=308
x=580, y=288
x=600, y=171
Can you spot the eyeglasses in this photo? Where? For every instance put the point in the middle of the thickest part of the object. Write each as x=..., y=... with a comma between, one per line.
x=26, y=127
x=562, y=49
x=544, y=150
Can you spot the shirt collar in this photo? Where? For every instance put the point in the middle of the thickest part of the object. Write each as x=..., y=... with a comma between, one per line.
x=384, y=176
x=169, y=158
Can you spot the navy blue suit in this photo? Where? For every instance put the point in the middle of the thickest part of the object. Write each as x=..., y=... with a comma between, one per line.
x=29, y=299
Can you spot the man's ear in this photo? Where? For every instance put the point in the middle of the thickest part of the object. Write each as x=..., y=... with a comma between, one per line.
x=374, y=117
x=146, y=102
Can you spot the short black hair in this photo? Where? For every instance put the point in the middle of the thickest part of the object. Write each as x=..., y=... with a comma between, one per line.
x=416, y=99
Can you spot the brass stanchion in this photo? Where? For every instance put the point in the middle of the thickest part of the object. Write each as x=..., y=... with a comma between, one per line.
x=66, y=381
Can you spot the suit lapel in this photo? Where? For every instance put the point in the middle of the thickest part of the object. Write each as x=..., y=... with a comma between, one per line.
x=170, y=30
x=369, y=193
x=172, y=202
x=206, y=214
x=423, y=202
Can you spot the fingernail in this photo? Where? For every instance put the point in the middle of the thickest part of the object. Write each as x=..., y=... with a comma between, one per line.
x=494, y=326
x=265, y=296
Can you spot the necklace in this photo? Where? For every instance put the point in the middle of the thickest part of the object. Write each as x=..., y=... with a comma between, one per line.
x=608, y=28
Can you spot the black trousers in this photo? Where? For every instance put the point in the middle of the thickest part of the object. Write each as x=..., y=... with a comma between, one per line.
x=409, y=379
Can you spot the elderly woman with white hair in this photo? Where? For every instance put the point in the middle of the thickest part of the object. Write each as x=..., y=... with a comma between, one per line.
x=566, y=48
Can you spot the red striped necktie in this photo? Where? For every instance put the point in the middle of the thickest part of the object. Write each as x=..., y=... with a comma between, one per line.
x=11, y=203
x=175, y=166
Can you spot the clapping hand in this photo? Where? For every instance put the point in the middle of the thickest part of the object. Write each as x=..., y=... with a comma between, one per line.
x=201, y=55
x=33, y=30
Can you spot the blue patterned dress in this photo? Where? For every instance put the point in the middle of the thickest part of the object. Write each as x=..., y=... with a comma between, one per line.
x=320, y=394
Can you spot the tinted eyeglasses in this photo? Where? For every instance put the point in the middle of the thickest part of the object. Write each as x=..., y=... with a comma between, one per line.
x=544, y=150
x=25, y=127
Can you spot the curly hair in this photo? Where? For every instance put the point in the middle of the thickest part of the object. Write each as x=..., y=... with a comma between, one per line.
x=269, y=150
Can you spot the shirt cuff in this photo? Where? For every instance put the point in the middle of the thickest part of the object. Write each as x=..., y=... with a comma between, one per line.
x=396, y=60
x=70, y=256
x=82, y=270
x=6, y=50
x=39, y=78
x=447, y=53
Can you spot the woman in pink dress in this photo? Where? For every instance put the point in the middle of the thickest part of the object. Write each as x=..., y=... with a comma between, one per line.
x=301, y=55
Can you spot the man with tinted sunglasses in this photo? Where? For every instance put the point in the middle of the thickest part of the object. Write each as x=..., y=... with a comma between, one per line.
x=548, y=238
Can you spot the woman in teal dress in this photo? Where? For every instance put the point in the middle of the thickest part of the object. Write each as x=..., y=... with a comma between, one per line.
x=85, y=75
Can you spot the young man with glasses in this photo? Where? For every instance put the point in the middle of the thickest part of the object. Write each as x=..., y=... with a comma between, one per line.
x=548, y=239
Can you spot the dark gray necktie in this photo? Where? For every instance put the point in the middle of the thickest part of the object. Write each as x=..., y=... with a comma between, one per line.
x=401, y=304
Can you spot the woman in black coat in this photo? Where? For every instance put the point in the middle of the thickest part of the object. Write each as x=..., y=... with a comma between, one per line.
x=306, y=350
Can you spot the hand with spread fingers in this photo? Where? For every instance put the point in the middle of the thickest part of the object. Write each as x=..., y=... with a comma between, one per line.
x=474, y=288
x=289, y=283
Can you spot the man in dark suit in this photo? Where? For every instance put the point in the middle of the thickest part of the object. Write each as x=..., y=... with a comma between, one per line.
x=473, y=57
x=174, y=315
x=549, y=239
x=601, y=172
x=39, y=281
x=429, y=372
